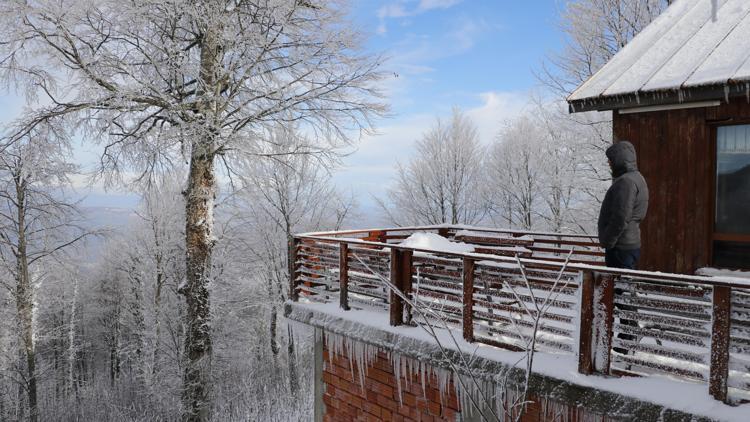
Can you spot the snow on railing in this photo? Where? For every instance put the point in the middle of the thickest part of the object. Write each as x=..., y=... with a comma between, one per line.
x=488, y=283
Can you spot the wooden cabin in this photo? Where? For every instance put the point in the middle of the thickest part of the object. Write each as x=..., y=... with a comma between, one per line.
x=680, y=92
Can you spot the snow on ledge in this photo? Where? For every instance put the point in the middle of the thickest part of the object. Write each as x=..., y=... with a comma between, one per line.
x=373, y=327
x=738, y=276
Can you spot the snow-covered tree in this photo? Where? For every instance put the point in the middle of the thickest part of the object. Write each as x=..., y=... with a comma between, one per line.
x=516, y=167
x=443, y=181
x=281, y=195
x=595, y=31
x=167, y=83
x=36, y=223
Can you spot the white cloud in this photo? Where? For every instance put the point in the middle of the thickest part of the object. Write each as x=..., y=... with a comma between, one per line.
x=466, y=33
x=496, y=109
x=393, y=10
x=436, y=4
x=404, y=8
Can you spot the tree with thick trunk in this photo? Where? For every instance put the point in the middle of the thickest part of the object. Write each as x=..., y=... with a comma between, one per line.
x=164, y=83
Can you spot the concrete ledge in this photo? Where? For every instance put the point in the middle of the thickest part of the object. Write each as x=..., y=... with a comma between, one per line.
x=412, y=342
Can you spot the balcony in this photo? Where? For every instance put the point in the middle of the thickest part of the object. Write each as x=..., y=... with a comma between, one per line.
x=515, y=290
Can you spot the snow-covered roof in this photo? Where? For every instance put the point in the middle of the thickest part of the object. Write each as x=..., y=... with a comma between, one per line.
x=695, y=50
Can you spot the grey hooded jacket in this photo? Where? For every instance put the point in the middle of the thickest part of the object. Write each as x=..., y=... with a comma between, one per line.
x=626, y=201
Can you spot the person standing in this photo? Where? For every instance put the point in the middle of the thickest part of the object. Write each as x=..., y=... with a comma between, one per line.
x=624, y=207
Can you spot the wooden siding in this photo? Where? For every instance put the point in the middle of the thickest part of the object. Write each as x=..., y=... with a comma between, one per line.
x=676, y=156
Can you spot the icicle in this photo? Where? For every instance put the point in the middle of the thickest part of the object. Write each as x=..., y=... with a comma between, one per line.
x=726, y=93
x=360, y=354
x=396, y=361
x=747, y=91
x=444, y=378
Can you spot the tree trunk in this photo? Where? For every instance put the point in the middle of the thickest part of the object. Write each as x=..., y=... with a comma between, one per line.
x=293, y=377
x=157, y=309
x=199, y=214
x=199, y=244
x=139, y=322
x=273, y=324
x=72, y=338
x=25, y=302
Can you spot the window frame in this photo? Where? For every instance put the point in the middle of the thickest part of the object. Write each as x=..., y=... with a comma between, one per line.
x=715, y=235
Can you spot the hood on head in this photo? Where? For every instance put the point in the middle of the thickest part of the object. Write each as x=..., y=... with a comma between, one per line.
x=623, y=158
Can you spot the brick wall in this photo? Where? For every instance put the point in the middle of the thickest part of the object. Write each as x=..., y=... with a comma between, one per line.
x=345, y=399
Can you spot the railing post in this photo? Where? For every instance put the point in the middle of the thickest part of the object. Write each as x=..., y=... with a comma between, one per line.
x=586, y=332
x=468, y=315
x=396, y=305
x=293, y=267
x=407, y=262
x=595, y=339
x=606, y=284
x=720, y=336
x=344, y=276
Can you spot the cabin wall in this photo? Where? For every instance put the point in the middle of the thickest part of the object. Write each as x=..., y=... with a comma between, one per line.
x=676, y=154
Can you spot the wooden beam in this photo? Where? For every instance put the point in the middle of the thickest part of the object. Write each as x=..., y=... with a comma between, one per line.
x=293, y=267
x=344, y=276
x=407, y=269
x=606, y=283
x=468, y=299
x=720, y=332
x=396, y=304
x=586, y=332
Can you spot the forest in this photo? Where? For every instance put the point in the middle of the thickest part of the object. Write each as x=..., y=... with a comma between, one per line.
x=229, y=120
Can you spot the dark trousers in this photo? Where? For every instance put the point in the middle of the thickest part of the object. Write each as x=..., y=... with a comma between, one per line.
x=623, y=258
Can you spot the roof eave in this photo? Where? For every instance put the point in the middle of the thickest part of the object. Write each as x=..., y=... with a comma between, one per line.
x=665, y=97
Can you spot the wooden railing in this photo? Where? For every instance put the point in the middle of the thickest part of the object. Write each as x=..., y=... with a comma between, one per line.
x=618, y=322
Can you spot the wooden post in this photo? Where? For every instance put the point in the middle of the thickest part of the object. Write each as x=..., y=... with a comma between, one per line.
x=396, y=304
x=293, y=246
x=720, y=336
x=585, y=341
x=376, y=236
x=407, y=262
x=344, y=276
x=606, y=284
x=468, y=315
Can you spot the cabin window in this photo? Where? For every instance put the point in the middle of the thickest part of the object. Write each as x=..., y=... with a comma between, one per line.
x=732, y=213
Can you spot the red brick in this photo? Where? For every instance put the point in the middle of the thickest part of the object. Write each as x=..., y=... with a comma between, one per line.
x=434, y=408
x=372, y=408
x=449, y=414
x=356, y=401
x=378, y=387
x=387, y=403
x=371, y=418
x=381, y=376
x=408, y=398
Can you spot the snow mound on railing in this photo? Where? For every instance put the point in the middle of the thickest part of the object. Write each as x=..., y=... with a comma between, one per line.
x=436, y=243
x=721, y=272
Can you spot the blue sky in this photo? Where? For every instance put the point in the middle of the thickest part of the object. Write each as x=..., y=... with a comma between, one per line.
x=479, y=55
